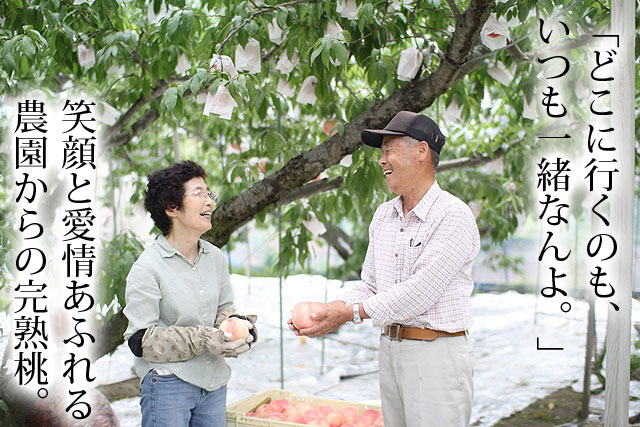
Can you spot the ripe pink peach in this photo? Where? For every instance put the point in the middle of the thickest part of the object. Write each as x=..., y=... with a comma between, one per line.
x=371, y=415
x=235, y=327
x=334, y=419
x=301, y=314
x=291, y=412
x=303, y=407
x=326, y=409
x=361, y=422
x=312, y=414
x=275, y=416
x=279, y=404
x=263, y=410
x=349, y=414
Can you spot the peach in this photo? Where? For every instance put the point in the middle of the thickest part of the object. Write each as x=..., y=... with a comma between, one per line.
x=303, y=407
x=326, y=409
x=321, y=422
x=236, y=328
x=301, y=314
x=334, y=419
x=312, y=414
x=371, y=415
x=290, y=412
x=275, y=416
x=349, y=414
x=379, y=422
x=263, y=410
x=279, y=404
x=251, y=414
x=361, y=422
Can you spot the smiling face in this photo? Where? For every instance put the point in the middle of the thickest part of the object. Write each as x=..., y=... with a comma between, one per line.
x=194, y=217
x=401, y=164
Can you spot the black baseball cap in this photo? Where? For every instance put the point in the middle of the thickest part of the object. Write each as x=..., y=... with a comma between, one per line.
x=415, y=125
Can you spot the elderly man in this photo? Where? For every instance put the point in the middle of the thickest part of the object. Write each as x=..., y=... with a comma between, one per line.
x=416, y=283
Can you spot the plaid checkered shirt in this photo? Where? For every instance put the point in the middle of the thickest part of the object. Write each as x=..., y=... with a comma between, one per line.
x=417, y=271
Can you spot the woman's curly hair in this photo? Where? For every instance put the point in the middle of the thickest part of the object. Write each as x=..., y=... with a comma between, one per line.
x=165, y=190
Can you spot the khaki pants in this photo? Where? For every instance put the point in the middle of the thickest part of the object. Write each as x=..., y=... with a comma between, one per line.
x=426, y=383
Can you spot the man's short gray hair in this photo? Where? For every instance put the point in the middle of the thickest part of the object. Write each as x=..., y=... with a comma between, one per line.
x=435, y=157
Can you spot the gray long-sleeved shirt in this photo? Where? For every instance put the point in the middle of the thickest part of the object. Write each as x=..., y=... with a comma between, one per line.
x=165, y=289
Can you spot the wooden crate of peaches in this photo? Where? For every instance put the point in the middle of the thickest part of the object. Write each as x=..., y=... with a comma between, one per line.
x=281, y=408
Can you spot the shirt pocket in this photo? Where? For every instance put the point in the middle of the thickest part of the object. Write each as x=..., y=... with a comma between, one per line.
x=412, y=255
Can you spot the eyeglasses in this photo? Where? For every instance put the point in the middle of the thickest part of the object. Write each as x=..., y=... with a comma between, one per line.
x=204, y=194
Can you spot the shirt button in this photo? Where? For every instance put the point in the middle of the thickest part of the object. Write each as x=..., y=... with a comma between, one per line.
x=202, y=291
x=396, y=254
x=193, y=268
x=208, y=362
x=401, y=230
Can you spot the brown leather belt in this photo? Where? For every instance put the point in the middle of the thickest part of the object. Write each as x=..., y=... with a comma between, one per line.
x=400, y=332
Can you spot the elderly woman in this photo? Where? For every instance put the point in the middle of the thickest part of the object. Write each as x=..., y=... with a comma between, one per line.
x=178, y=293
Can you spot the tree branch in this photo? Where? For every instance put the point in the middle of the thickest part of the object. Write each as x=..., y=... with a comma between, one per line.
x=137, y=106
x=147, y=118
x=469, y=162
x=454, y=9
x=310, y=189
x=332, y=237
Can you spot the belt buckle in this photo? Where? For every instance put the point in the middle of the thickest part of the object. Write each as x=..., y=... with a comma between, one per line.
x=398, y=334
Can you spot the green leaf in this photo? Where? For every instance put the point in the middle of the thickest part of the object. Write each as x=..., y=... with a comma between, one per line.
x=173, y=25
x=339, y=52
x=28, y=46
x=36, y=35
x=282, y=19
x=24, y=65
x=340, y=128
x=347, y=36
x=317, y=51
x=11, y=63
x=169, y=99
x=365, y=12
x=325, y=57
x=182, y=88
x=195, y=84
x=251, y=28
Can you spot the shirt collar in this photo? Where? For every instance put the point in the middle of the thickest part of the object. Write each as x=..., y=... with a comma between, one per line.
x=423, y=206
x=168, y=251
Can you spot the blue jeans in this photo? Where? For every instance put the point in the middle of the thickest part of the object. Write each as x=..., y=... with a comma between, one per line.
x=168, y=401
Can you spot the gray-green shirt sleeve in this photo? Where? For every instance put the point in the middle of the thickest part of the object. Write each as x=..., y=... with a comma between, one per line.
x=226, y=292
x=143, y=299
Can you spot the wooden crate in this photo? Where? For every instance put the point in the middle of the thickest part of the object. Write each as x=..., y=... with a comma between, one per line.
x=236, y=412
